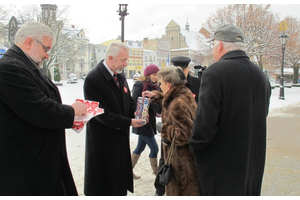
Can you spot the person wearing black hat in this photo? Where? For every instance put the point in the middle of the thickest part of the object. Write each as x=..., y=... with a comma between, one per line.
x=229, y=136
x=193, y=83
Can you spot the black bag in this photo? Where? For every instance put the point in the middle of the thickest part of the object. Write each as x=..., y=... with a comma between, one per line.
x=165, y=173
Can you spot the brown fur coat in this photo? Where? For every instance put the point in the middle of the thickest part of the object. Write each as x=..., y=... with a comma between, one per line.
x=179, y=109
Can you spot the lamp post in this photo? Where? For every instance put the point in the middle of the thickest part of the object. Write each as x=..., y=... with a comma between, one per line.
x=283, y=39
x=122, y=12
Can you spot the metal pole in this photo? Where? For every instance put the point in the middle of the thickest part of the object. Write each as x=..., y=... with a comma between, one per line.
x=281, y=92
x=122, y=29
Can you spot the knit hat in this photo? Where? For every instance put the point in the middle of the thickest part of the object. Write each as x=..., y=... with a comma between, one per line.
x=150, y=69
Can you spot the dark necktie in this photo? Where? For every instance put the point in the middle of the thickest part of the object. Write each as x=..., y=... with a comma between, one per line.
x=116, y=80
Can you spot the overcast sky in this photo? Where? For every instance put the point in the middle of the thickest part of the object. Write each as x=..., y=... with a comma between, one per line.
x=102, y=23
x=100, y=20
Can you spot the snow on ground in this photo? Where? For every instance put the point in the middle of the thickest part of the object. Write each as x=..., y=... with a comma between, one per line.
x=71, y=92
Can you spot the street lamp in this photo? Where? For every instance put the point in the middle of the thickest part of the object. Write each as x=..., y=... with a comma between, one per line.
x=283, y=39
x=122, y=12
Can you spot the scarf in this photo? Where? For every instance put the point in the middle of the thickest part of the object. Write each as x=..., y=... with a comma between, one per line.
x=150, y=84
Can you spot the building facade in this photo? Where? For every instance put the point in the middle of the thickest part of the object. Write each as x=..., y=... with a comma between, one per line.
x=135, y=60
x=149, y=58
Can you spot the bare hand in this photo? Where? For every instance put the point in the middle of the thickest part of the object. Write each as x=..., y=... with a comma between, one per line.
x=148, y=94
x=79, y=108
x=136, y=123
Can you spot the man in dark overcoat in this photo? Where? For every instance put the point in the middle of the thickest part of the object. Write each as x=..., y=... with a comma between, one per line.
x=33, y=152
x=108, y=167
x=192, y=83
x=229, y=138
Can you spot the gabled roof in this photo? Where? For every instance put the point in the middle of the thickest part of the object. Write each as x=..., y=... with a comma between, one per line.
x=71, y=30
x=191, y=38
x=172, y=24
x=134, y=44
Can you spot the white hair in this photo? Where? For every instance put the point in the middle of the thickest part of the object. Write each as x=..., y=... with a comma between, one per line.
x=34, y=30
x=114, y=48
x=231, y=46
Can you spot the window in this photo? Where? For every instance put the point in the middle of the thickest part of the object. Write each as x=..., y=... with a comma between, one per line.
x=81, y=63
x=67, y=66
x=81, y=48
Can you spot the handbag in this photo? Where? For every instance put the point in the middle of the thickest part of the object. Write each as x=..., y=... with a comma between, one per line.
x=165, y=173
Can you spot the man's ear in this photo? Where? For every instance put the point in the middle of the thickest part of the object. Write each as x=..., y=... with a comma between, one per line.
x=28, y=44
x=220, y=46
x=110, y=58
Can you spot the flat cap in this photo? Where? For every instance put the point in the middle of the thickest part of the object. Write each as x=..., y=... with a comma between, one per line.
x=228, y=33
x=181, y=61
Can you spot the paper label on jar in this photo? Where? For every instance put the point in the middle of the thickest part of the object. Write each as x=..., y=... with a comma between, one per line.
x=142, y=108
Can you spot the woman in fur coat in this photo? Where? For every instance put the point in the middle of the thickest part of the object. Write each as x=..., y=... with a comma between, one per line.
x=179, y=109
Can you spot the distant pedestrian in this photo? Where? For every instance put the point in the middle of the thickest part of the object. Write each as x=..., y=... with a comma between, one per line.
x=229, y=137
x=108, y=167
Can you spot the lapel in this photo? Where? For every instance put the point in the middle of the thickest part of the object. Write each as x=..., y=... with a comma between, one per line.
x=123, y=94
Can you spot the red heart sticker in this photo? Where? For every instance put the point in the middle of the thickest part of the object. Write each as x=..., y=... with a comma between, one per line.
x=87, y=104
x=94, y=105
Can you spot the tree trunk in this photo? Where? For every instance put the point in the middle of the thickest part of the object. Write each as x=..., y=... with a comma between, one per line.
x=260, y=62
x=296, y=74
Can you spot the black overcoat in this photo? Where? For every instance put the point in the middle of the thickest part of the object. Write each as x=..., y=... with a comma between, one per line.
x=108, y=167
x=149, y=130
x=193, y=84
x=32, y=137
x=229, y=137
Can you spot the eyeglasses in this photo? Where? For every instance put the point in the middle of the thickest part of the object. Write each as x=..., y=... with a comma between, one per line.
x=47, y=50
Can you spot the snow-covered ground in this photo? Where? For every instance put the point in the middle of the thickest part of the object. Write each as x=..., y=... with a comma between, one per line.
x=71, y=92
x=76, y=142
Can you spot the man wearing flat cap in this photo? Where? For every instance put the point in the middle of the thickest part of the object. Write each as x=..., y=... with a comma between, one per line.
x=229, y=136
